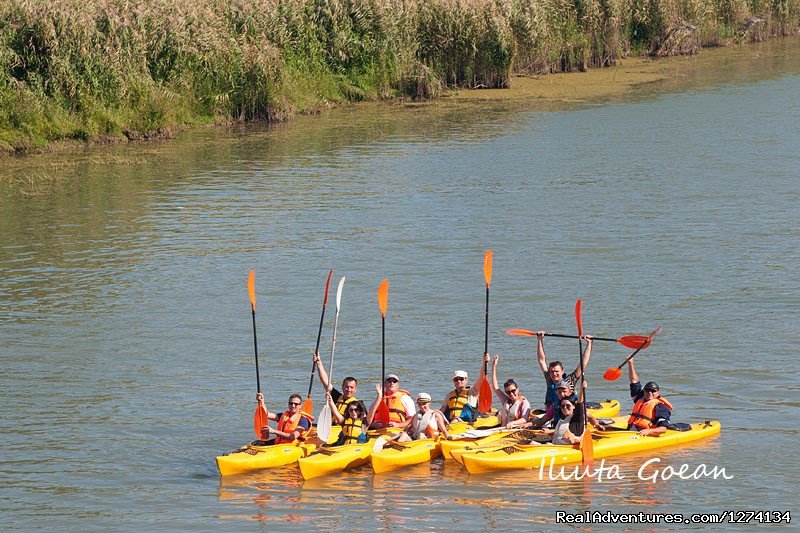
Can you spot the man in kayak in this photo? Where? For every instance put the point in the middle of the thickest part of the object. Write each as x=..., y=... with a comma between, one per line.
x=564, y=390
x=515, y=408
x=348, y=393
x=461, y=398
x=398, y=402
x=554, y=372
x=292, y=423
x=426, y=423
x=651, y=411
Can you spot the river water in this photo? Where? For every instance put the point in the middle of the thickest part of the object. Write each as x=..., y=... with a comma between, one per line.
x=125, y=332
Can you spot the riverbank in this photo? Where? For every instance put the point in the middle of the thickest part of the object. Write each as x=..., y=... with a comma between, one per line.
x=77, y=72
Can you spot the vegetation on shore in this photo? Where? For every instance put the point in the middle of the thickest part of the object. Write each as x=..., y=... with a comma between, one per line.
x=115, y=69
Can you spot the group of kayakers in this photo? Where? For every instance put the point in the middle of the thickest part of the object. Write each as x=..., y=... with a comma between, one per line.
x=563, y=418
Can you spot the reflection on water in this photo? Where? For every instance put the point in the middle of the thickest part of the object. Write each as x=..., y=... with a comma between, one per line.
x=126, y=342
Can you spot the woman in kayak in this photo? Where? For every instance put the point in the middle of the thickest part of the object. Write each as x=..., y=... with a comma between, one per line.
x=354, y=422
x=292, y=423
x=515, y=408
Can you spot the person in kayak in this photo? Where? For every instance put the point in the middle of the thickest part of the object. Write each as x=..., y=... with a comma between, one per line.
x=564, y=390
x=457, y=399
x=554, y=372
x=354, y=422
x=651, y=411
x=426, y=423
x=569, y=428
x=340, y=399
x=292, y=423
x=515, y=408
x=399, y=402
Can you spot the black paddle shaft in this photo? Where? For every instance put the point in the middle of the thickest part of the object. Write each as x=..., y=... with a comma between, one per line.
x=316, y=349
x=255, y=347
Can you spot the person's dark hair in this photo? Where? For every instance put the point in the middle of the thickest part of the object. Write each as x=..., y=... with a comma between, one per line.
x=576, y=425
x=362, y=410
x=510, y=382
x=349, y=378
x=296, y=396
x=555, y=363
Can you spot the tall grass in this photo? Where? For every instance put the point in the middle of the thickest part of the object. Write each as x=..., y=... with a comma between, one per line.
x=94, y=69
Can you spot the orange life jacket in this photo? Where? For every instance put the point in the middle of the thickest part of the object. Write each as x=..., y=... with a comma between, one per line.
x=643, y=410
x=397, y=412
x=288, y=423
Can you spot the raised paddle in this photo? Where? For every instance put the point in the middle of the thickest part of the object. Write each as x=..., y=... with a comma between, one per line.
x=325, y=418
x=587, y=447
x=382, y=414
x=261, y=416
x=614, y=373
x=484, y=389
x=308, y=405
x=629, y=341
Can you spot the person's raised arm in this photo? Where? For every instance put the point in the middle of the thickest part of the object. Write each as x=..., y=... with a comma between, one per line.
x=323, y=376
x=587, y=353
x=501, y=395
x=540, y=355
x=632, y=376
x=374, y=407
x=332, y=406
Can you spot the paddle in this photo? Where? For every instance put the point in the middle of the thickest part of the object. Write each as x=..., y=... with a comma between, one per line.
x=308, y=406
x=484, y=389
x=382, y=414
x=325, y=419
x=587, y=450
x=261, y=417
x=614, y=373
x=629, y=341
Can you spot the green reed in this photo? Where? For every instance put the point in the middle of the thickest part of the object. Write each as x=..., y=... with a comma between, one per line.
x=95, y=69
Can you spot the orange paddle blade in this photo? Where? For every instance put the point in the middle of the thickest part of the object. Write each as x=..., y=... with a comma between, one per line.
x=260, y=419
x=484, y=396
x=523, y=332
x=383, y=296
x=327, y=287
x=308, y=406
x=487, y=267
x=587, y=447
x=251, y=288
x=382, y=414
x=635, y=341
x=578, y=305
x=612, y=374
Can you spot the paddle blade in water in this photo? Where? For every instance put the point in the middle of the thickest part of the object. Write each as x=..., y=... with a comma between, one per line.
x=484, y=396
x=260, y=419
x=612, y=374
x=324, y=422
x=587, y=447
x=383, y=296
x=251, y=288
x=487, y=267
x=522, y=332
x=635, y=341
x=308, y=405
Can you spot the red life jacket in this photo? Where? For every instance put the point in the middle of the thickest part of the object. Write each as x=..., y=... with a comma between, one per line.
x=643, y=411
x=288, y=424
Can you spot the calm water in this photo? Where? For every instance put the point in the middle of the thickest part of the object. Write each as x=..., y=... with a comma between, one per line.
x=125, y=335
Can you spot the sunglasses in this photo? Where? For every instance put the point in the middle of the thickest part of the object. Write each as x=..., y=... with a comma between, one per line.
x=511, y=391
x=459, y=379
x=565, y=405
x=294, y=404
x=392, y=380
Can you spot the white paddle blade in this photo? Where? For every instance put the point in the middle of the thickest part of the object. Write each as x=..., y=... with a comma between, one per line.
x=324, y=422
x=379, y=443
x=339, y=294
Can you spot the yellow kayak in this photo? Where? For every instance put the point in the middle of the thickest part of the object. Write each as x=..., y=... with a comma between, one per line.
x=250, y=457
x=605, y=409
x=398, y=454
x=328, y=460
x=606, y=444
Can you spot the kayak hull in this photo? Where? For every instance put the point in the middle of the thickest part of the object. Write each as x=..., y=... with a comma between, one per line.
x=606, y=409
x=330, y=460
x=251, y=458
x=606, y=444
x=399, y=454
